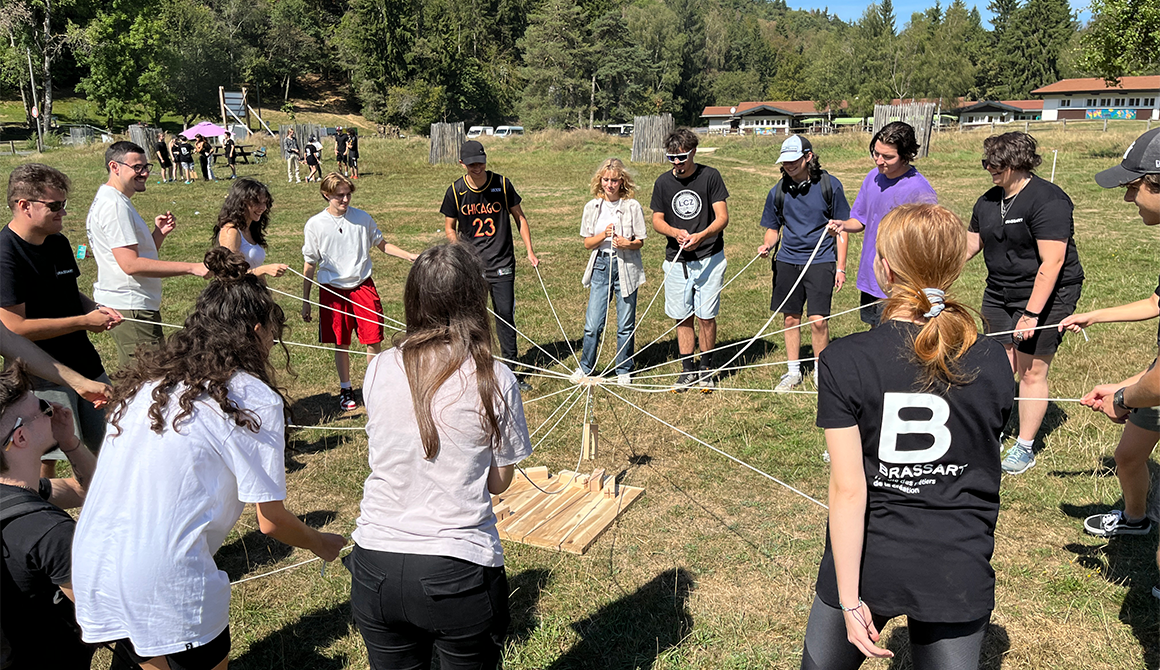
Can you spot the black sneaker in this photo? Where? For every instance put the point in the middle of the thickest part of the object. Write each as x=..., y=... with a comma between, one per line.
x=523, y=384
x=684, y=382
x=346, y=399
x=1115, y=523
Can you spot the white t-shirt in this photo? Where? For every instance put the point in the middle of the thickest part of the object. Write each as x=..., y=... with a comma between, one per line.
x=340, y=247
x=254, y=253
x=157, y=510
x=437, y=507
x=114, y=222
x=609, y=215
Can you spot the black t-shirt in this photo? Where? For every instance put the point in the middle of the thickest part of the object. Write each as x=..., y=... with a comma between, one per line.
x=229, y=148
x=688, y=204
x=340, y=144
x=352, y=146
x=37, y=560
x=931, y=459
x=44, y=279
x=311, y=154
x=185, y=149
x=483, y=218
x=162, y=152
x=1041, y=211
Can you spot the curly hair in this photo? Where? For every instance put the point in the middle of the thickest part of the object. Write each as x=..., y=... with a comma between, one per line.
x=899, y=135
x=236, y=209
x=219, y=340
x=616, y=167
x=1013, y=150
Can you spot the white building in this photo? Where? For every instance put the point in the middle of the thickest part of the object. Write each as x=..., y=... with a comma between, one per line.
x=1002, y=111
x=1135, y=98
x=759, y=118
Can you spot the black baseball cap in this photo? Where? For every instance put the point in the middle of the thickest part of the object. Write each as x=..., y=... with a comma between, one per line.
x=1141, y=158
x=472, y=152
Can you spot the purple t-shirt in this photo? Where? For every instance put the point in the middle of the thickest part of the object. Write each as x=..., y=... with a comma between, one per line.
x=876, y=198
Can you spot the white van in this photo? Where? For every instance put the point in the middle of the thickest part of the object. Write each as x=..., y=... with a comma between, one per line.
x=476, y=131
x=508, y=131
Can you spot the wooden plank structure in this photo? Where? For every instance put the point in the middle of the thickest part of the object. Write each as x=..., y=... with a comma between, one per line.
x=648, y=138
x=446, y=138
x=920, y=115
x=571, y=520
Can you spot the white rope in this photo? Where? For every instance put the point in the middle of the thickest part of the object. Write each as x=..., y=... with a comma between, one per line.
x=723, y=453
x=612, y=258
x=337, y=311
x=549, y=395
x=562, y=417
x=288, y=567
x=551, y=416
x=666, y=388
x=554, y=314
x=510, y=363
x=153, y=323
x=1019, y=330
x=294, y=425
x=729, y=369
x=530, y=340
x=324, y=287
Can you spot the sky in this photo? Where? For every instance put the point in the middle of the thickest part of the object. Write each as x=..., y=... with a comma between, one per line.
x=851, y=10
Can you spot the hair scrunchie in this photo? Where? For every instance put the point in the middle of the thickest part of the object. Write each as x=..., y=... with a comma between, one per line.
x=936, y=301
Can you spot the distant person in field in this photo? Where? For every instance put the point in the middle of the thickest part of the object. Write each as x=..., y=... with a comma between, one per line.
x=242, y=223
x=352, y=153
x=892, y=182
x=1024, y=228
x=912, y=412
x=1135, y=401
x=311, y=153
x=613, y=229
x=446, y=428
x=338, y=243
x=183, y=155
x=292, y=154
x=689, y=207
x=230, y=149
x=204, y=150
x=197, y=432
x=40, y=298
x=129, y=270
x=478, y=210
x=797, y=211
x=164, y=159
x=340, y=143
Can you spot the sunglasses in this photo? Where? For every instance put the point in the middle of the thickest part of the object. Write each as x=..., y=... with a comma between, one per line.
x=45, y=409
x=678, y=158
x=53, y=205
x=991, y=165
x=137, y=169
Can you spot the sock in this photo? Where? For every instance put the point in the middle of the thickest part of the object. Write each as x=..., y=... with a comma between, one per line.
x=689, y=365
x=794, y=367
x=344, y=385
x=1026, y=445
x=706, y=362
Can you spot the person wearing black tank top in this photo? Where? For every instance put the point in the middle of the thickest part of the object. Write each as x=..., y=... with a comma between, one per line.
x=912, y=412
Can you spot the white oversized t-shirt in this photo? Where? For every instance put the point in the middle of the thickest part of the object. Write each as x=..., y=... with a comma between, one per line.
x=340, y=247
x=437, y=507
x=114, y=222
x=157, y=510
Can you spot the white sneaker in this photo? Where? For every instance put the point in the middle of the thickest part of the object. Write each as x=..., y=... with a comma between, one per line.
x=788, y=381
x=624, y=379
x=576, y=376
x=815, y=376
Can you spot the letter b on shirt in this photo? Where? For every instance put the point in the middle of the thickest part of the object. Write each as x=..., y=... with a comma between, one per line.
x=894, y=425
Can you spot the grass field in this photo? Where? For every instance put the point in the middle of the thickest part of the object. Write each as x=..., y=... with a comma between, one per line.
x=714, y=567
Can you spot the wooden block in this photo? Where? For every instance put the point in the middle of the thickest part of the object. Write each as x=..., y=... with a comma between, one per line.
x=582, y=480
x=502, y=512
x=596, y=481
x=590, y=440
x=538, y=473
x=610, y=488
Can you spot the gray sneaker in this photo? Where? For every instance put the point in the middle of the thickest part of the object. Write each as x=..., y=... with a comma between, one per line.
x=706, y=381
x=1018, y=460
x=686, y=381
x=1115, y=523
x=788, y=381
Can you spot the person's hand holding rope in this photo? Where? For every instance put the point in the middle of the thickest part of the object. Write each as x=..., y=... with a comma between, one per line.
x=861, y=632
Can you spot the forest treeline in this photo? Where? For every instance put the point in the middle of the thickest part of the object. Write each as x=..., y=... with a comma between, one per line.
x=558, y=63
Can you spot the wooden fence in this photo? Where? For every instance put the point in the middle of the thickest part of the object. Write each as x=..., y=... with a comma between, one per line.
x=648, y=138
x=920, y=115
x=446, y=139
x=143, y=136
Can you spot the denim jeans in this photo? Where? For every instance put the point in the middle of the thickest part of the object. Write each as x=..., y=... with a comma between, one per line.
x=598, y=300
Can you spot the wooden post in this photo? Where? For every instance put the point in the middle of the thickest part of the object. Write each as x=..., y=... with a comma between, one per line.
x=591, y=440
x=1026, y=126
x=1105, y=125
x=446, y=139
x=222, y=104
x=648, y=138
x=1065, y=125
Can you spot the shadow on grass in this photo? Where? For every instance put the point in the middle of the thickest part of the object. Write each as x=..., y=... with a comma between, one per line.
x=634, y=631
x=524, y=603
x=556, y=351
x=1107, y=468
x=1056, y=416
x=996, y=643
x=254, y=550
x=322, y=408
x=298, y=645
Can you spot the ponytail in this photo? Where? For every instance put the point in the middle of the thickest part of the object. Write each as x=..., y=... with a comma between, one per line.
x=925, y=246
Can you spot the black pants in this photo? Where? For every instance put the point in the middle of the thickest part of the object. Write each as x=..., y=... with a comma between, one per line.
x=934, y=646
x=203, y=160
x=408, y=605
x=503, y=300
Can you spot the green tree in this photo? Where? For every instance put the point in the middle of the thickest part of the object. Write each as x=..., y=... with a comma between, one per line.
x=374, y=42
x=198, y=62
x=1037, y=37
x=556, y=67
x=1123, y=38
x=123, y=48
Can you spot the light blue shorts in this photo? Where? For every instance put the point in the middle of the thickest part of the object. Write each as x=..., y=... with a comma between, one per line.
x=694, y=287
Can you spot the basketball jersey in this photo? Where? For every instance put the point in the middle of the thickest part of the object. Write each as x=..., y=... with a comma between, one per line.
x=483, y=219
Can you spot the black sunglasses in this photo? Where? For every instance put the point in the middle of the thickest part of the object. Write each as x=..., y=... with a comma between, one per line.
x=988, y=164
x=137, y=169
x=678, y=158
x=45, y=409
x=53, y=205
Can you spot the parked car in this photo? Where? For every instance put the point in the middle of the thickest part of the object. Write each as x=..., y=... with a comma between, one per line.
x=508, y=131
x=476, y=131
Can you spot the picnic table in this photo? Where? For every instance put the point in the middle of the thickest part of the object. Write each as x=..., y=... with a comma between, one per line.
x=242, y=151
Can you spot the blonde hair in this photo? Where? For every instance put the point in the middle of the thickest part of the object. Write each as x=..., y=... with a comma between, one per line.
x=926, y=248
x=332, y=181
x=627, y=185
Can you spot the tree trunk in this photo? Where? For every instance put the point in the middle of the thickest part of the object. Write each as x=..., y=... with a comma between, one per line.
x=286, y=95
x=46, y=77
x=592, y=102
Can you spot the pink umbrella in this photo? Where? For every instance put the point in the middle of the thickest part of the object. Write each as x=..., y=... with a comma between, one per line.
x=204, y=128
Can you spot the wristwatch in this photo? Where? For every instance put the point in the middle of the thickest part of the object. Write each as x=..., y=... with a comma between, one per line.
x=1118, y=400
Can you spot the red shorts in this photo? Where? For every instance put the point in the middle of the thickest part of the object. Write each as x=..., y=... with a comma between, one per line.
x=337, y=319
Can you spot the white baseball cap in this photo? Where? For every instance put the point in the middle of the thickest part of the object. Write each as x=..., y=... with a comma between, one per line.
x=793, y=148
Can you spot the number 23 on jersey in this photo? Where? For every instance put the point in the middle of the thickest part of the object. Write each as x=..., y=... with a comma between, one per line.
x=484, y=227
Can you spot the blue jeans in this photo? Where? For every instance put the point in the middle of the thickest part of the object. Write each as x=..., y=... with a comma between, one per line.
x=598, y=300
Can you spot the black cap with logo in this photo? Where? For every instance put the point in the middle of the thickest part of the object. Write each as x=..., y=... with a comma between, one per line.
x=472, y=152
x=1142, y=158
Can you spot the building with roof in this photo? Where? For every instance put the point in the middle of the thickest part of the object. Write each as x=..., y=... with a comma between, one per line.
x=1093, y=98
x=999, y=111
x=760, y=118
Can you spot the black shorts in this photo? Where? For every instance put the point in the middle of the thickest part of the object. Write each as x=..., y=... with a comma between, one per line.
x=352, y=161
x=1002, y=308
x=165, y=165
x=816, y=288
x=871, y=316
x=205, y=657
x=231, y=160
x=341, y=158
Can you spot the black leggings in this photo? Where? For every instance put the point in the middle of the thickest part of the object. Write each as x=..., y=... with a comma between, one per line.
x=941, y=646
x=503, y=297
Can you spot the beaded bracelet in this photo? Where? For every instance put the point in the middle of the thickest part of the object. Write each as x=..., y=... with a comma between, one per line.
x=851, y=609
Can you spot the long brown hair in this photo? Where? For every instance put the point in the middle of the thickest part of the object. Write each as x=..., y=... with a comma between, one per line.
x=218, y=340
x=445, y=301
x=925, y=247
x=236, y=209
